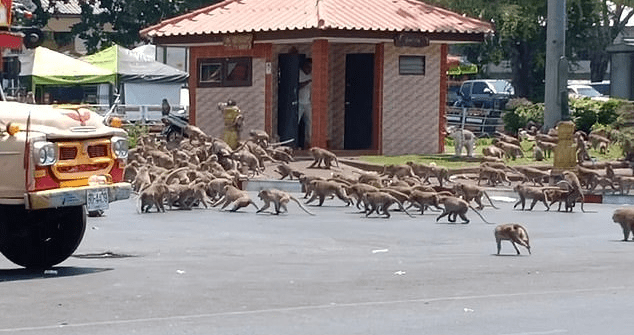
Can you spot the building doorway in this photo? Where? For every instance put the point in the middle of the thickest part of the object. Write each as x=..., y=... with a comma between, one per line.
x=358, y=101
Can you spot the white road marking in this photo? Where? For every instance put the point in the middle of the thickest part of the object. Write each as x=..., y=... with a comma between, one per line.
x=317, y=307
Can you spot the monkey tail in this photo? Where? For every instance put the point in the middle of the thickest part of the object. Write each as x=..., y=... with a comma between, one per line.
x=403, y=209
x=491, y=202
x=302, y=206
x=480, y=215
x=138, y=204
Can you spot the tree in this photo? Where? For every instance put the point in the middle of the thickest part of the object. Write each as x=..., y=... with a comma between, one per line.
x=521, y=36
x=107, y=22
x=610, y=20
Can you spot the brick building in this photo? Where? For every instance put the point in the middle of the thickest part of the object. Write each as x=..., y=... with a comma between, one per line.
x=378, y=78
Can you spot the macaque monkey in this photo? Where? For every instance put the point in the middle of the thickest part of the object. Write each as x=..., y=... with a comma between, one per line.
x=423, y=200
x=493, y=151
x=472, y=192
x=538, y=154
x=279, y=199
x=322, y=155
x=604, y=148
x=625, y=183
x=358, y=190
x=597, y=140
x=399, y=171
x=492, y=175
x=153, y=195
x=456, y=207
x=260, y=137
x=625, y=217
x=194, y=133
x=530, y=192
x=236, y=196
x=513, y=233
x=286, y=171
x=535, y=175
x=323, y=188
x=547, y=147
x=510, y=150
x=576, y=193
x=380, y=202
x=507, y=138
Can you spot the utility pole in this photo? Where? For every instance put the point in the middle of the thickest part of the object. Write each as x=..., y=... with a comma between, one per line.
x=556, y=96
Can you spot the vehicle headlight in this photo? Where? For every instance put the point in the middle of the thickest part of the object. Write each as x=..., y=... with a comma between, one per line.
x=119, y=147
x=44, y=153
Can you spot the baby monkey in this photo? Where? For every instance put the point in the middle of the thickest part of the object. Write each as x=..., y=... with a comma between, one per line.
x=279, y=199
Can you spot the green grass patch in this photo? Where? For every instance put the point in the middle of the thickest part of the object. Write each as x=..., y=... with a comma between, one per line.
x=448, y=160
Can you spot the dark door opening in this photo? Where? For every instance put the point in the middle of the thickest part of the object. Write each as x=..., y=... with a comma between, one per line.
x=359, y=97
x=287, y=106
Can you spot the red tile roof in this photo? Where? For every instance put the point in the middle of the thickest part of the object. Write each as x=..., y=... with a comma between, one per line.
x=240, y=16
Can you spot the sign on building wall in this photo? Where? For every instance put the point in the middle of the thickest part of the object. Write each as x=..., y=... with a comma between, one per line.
x=5, y=13
x=239, y=41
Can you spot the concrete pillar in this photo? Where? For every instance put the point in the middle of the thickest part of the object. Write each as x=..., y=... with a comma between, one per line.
x=319, y=96
x=556, y=71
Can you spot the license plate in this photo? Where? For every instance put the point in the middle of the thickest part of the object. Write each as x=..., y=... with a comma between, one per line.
x=97, y=199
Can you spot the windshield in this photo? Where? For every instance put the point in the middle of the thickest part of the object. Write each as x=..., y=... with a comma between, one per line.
x=503, y=86
x=588, y=92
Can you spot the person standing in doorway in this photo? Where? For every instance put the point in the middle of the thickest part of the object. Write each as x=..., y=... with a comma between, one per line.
x=305, y=108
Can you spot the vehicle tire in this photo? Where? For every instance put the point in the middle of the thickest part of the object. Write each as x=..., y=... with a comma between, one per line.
x=95, y=214
x=40, y=238
x=172, y=136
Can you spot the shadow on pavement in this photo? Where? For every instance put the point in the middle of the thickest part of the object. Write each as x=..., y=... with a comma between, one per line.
x=10, y=275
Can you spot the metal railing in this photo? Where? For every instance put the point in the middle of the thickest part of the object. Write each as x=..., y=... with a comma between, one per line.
x=139, y=114
x=481, y=121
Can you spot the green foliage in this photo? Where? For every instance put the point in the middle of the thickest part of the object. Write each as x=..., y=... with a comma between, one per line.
x=586, y=113
x=135, y=132
x=107, y=22
x=520, y=112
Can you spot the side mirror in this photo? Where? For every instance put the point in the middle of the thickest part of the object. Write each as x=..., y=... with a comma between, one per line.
x=488, y=91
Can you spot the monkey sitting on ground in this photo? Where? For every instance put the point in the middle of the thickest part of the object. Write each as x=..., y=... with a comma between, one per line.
x=324, y=188
x=279, y=199
x=472, y=192
x=456, y=207
x=514, y=233
x=625, y=217
x=322, y=155
x=236, y=196
x=380, y=202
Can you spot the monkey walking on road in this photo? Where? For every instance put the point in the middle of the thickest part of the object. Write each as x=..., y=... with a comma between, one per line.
x=457, y=207
x=514, y=233
x=279, y=200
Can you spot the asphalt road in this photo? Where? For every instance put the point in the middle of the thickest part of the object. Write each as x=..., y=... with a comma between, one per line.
x=211, y=272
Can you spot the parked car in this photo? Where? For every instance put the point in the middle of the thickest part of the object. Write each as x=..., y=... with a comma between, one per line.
x=453, y=94
x=585, y=91
x=602, y=86
x=485, y=93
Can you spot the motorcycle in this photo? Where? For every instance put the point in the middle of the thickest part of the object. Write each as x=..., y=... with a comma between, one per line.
x=174, y=126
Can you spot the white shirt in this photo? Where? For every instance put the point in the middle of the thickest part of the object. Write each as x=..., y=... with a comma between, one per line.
x=304, y=92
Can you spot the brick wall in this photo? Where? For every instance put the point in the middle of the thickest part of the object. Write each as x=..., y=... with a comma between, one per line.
x=411, y=103
x=250, y=99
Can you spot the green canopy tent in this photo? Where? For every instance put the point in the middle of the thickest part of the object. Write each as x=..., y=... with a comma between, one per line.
x=140, y=79
x=45, y=67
